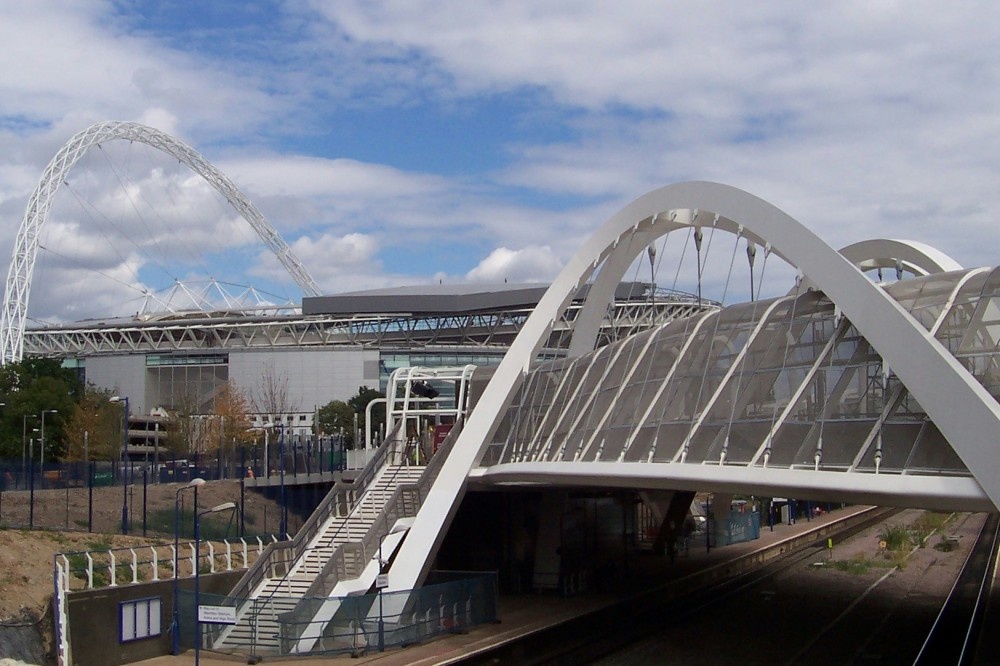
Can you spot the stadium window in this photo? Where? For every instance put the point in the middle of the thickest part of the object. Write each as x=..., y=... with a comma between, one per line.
x=139, y=618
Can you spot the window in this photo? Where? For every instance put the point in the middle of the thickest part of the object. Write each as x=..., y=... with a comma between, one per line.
x=139, y=618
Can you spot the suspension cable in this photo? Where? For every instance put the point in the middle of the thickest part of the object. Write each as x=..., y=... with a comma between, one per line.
x=784, y=361
x=711, y=342
x=751, y=252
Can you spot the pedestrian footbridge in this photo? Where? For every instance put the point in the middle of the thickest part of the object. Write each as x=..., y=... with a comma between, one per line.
x=846, y=388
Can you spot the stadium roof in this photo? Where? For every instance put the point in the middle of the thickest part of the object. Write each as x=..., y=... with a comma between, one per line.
x=447, y=298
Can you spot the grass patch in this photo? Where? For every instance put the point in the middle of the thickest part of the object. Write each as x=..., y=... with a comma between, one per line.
x=212, y=526
x=857, y=566
x=895, y=538
x=102, y=542
x=945, y=545
x=929, y=523
x=58, y=537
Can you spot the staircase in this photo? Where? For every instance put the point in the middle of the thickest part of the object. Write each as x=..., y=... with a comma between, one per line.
x=257, y=625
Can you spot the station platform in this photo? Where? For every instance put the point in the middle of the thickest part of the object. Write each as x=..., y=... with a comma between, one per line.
x=523, y=614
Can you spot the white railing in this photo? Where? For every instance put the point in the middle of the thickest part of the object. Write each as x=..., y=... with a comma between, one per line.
x=96, y=569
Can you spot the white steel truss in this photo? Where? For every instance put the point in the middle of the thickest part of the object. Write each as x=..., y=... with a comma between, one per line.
x=942, y=444
x=22, y=265
x=234, y=330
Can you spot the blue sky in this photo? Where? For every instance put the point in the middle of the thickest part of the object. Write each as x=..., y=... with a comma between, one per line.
x=410, y=141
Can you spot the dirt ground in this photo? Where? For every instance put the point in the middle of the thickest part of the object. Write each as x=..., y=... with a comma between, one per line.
x=26, y=556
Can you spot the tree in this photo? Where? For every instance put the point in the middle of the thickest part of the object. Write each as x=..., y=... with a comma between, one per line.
x=181, y=429
x=233, y=407
x=335, y=415
x=94, y=427
x=27, y=389
x=272, y=395
x=359, y=403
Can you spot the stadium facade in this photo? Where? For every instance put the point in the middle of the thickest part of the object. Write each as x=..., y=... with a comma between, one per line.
x=337, y=344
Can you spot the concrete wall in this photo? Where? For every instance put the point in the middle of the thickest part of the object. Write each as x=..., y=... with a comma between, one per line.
x=315, y=376
x=124, y=375
x=93, y=619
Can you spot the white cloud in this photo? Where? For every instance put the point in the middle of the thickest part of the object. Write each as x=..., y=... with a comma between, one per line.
x=336, y=263
x=838, y=113
x=857, y=118
x=345, y=179
x=529, y=264
x=72, y=63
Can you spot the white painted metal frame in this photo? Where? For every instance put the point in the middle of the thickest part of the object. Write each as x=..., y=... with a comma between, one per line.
x=965, y=413
x=681, y=453
x=22, y=263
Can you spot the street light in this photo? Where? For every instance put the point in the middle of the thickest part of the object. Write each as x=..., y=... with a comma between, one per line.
x=176, y=625
x=41, y=456
x=122, y=399
x=31, y=483
x=266, y=427
x=24, y=444
x=283, y=525
x=226, y=506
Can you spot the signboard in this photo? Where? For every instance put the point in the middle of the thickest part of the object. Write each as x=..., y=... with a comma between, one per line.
x=217, y=614
x=382, y=581
x=441, y=432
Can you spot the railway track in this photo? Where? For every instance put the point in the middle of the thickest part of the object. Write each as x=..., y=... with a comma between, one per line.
x=925, y=611
x=629, y=624
x=955, y=636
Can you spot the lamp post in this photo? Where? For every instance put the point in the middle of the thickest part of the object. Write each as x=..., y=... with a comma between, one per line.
x=31, y=483
x=41, y=456
x=266, y=427
x=175, y=626
x=283, y=526
x=24, y=445
x=267, y=433
x=124, y=400
x=226, y=506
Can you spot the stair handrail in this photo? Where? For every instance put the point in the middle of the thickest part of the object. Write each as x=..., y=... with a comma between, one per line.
x=348, y=561
x=296, y=546
x=404, y=502
x=395, y=508
x=380, y=454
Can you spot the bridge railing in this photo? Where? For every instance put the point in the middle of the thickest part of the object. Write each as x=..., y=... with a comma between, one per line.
x=279, y=558
x=349, y=560
x=454, y=602
x=96, y=569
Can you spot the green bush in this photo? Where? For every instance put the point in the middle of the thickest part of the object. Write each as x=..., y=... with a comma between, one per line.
x=896, y=537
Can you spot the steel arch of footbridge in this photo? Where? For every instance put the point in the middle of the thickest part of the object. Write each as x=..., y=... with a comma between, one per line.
x=965, y=413
x=22, y=264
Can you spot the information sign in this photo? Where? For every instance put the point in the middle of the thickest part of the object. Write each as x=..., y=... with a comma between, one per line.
x=217, y=614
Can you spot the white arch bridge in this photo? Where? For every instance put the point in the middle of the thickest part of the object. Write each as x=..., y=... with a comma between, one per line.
x=844, y=389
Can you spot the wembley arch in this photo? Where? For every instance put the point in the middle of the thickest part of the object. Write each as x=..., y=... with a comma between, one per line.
x=963, y=410
x=19, y=275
